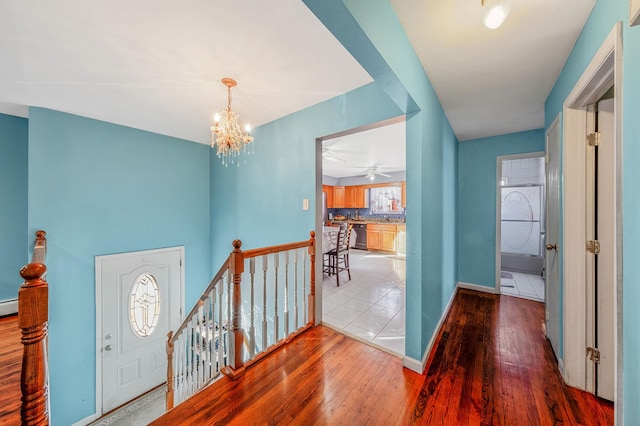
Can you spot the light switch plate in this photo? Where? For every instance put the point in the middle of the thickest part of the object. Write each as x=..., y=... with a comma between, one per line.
x=305, y=204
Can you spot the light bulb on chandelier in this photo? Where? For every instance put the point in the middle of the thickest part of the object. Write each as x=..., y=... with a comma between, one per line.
x=226, y=132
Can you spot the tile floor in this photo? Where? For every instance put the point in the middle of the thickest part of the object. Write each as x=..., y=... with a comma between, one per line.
x=527, y=286
x=370, y=307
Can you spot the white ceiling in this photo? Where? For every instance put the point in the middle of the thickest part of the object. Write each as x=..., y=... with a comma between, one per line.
x=382, y=147
x=156, y=65
x=493, y=82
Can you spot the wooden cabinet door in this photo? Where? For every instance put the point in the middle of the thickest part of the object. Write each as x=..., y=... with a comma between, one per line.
x=329, y=191
x=358, y=197
x=388, y=240
x=348, y=196
x=373, y=239
x=338, y=196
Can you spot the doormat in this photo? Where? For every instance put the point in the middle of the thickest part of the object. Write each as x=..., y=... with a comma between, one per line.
x=507, y=275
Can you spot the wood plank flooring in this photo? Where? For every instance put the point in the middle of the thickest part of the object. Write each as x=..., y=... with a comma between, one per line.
x=10, y=366
x=491, y=365
x=320, y=377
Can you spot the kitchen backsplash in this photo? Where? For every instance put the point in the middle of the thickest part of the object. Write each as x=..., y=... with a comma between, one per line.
x=365, y=213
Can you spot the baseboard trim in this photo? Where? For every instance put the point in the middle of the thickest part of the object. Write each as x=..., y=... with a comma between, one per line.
x=477, y=287
x=419, y=366
x=413, y=364
x=9, y=307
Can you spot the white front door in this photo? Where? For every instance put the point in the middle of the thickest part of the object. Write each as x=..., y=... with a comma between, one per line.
x=552, y=235
x=139, y=299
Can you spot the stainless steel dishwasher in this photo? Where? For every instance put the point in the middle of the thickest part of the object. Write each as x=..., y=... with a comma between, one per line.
x=361, y=235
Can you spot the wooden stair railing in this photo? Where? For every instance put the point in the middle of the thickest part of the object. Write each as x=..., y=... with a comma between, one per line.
x=33, y=319
x=212, y=338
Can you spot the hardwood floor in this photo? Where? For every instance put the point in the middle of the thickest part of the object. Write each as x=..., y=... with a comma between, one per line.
x=491, y=365
x=320, y=377
x=10, y=365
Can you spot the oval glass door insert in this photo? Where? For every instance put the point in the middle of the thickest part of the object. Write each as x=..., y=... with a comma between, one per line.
x=144, y=305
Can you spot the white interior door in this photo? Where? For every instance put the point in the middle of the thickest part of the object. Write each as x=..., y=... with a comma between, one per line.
x=140, y=300
x=552, y=236
x=605, y=260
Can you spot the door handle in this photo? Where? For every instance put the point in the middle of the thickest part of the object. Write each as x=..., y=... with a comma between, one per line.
x=552, y=247
x=108, y=348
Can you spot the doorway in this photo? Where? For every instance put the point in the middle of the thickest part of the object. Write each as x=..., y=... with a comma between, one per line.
x=520, y=225
x=579, y=302
x=362, y=173
x=139, y=298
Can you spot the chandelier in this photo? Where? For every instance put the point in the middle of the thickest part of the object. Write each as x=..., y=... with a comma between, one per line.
x=226, y=132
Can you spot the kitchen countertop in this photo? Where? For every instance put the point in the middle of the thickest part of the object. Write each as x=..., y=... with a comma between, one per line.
x=376, y=221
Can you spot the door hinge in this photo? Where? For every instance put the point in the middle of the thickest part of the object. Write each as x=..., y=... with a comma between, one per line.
x=181, y=263
x=594, y=354
x=593, y=246
x=593, y=139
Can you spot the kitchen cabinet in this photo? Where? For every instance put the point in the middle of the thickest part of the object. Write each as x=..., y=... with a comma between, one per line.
x=381, y=236
x=373, y=239
x=338, y=197
x=354, y=197
x=328, y=190
x=401, y=239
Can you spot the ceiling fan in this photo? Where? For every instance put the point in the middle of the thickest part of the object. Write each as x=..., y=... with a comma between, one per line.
x=328, y=155
x=374, y=171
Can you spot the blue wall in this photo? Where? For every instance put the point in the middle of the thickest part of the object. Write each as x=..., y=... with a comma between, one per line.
x=98, y=188
x=263, y=197
x=602, y=20
x=477, y=162
x=13, y=210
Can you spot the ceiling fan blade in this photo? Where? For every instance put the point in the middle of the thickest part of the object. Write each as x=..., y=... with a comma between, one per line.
x=383, y=174
x=330, y=157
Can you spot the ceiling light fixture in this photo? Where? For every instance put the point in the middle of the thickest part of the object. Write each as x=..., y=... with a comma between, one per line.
x=496, y=13
x=226, y=132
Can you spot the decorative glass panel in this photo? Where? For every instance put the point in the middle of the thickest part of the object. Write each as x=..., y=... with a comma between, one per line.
x=144, y=305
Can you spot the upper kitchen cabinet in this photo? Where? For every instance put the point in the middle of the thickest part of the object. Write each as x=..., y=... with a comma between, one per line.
x=328, y=190
x=354, y=197
x=338, y=196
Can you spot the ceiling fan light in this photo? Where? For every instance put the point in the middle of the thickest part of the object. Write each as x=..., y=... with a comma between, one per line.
x=495, y=14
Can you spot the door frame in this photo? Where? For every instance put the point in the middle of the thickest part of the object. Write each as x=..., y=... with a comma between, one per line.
x=499, y=161
x=98, y=289
x=604, y=70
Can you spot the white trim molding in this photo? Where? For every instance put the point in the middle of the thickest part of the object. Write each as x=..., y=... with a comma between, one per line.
x=8, y=307
x=604, y=71
x=419, y=366
x=477, y=287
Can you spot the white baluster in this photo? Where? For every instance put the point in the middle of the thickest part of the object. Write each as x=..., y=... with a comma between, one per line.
x=207, y=338
x=304, y=284
x=222, y=347
x=276, y=317
x=295, y=287
x=286, y=293
x=252, y=328
x=265, y=266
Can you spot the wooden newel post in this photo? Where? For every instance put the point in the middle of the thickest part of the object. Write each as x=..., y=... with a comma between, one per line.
x=312, y=281
x=169, y=398
x=237, y=334
x=33, y=319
